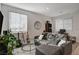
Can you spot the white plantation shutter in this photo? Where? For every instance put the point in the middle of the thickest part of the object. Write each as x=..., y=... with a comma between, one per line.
x=63, y=24
x=58, y=24
x=67, y=24
x=17, y=22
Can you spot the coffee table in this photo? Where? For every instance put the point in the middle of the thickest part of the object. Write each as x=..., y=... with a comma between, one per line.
x=28, y=47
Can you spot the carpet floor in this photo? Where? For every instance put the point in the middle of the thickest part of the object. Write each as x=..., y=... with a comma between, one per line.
x=75, y=48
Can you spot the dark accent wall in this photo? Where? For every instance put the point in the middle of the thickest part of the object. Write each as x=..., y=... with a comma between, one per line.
x=1, y=21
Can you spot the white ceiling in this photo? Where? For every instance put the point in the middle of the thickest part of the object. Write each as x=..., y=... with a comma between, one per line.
x=49, y=9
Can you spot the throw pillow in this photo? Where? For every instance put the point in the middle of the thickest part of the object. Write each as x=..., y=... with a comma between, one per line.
x=61, y=42
x=40, y=37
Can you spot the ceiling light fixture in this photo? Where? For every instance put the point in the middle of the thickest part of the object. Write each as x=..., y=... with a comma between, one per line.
x=47, y=8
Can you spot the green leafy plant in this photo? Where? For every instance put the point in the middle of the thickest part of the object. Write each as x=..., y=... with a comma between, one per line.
x=10, y=42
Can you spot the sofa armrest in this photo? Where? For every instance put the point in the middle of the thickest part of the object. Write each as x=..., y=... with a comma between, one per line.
x=67, y=48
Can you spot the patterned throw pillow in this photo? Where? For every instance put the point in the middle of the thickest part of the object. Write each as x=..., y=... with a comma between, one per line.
x=61, y=42
x=40, y=37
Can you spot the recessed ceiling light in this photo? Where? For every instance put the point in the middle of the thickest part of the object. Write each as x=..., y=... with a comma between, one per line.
x=47, y=8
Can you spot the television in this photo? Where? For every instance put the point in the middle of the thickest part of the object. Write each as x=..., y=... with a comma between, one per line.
x=1, y=21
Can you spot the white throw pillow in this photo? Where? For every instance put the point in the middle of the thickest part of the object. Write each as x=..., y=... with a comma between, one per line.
x=40, y=37
x=61, y=42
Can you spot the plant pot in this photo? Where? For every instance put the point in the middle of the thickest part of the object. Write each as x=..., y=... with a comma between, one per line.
x=3, y=49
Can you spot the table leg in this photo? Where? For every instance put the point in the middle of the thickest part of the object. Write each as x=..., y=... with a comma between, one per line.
x=30, y=47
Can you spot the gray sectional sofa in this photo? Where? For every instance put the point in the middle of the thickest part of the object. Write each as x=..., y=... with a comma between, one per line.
x=50, y=47
x=65, y=49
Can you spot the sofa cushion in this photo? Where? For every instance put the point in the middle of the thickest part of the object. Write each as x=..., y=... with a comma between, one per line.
x=44, y=41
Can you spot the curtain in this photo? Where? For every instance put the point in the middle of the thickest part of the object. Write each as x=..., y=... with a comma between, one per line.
x=17, y=22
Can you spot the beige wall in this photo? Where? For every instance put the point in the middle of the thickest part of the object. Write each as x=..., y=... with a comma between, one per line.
x=75, y=23
x=32, y=17
x=75, y=30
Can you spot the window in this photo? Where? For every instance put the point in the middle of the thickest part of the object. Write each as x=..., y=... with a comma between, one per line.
x=63, y=24
x=17, y=22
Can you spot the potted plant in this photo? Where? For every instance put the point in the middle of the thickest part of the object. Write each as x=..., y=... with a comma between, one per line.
x=10, y=42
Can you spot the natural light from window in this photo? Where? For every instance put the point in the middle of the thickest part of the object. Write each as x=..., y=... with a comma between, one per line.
x=63, y=24
x=17, y=22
